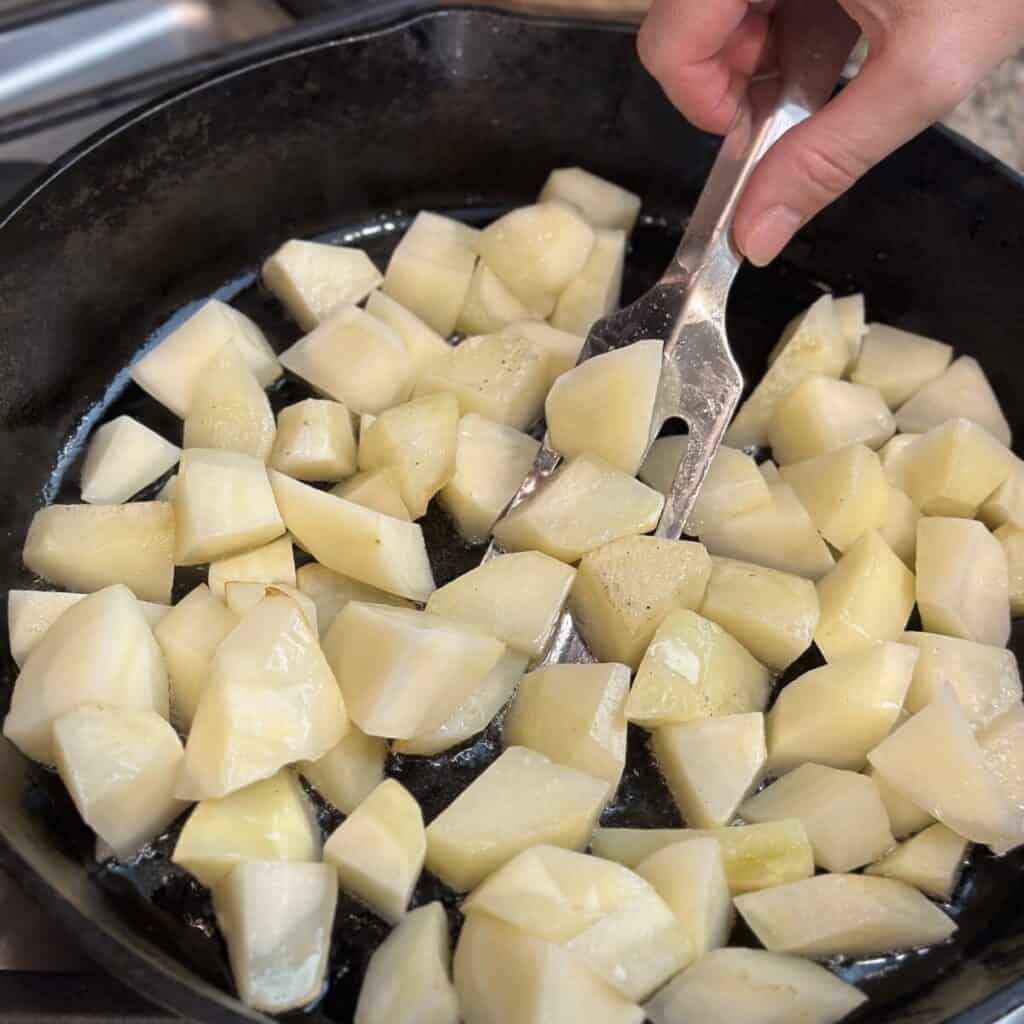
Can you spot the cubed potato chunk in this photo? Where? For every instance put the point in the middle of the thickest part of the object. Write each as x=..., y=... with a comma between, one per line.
x=271, y=563
x=562, y=347
x=241, y=596
x=277, y=917
x=822, y=414
x=841, y=811
x=585, y=504
x=422, y=342
x=712, y=765
x=962, y=390
x=88, y=547
x=124, y=457
x=491, y=461
x=269, y=820
x=403, y=672
x=430, y=270
x=899, y=530
x=349, y=771
x=893, y=456
x=500, y=377
x=596, y=290
x=171, y=371
x=814, y=345
x=898, y=363
x=624, y=590
x=852, y=322
x=851, y=915
x=905, y=817
x=489, y=305
x=1002, y=744
x=603, y=203
x=378, y=850
x=844, y=491
x=313, y=279
x=330, y=592
x=408, y=979
x=958, y=789
x=772, y=614
x=1012, y=540
x=100, y=651
x=931, y=861
x=574, y=714
x=1005, y=506
x=866, y=599
x=315, y=441
x=382, y=551
x=623, y=385
x=536, y=251
x=521, y=800
x=516, y=598
x=963, y=581
x=166, y=493
x=416, y=441
x=376, y=489
x=837, y=714
x=269, y=700
x=119, y=765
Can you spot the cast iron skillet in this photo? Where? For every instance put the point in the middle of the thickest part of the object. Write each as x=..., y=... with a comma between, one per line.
x=466, y=111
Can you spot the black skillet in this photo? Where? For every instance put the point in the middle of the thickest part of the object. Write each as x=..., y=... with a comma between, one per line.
x=464, y=110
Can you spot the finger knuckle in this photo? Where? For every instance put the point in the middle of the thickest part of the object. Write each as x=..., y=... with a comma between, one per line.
x=828, y=169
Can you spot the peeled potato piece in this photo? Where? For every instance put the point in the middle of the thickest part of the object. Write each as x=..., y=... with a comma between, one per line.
x=962, y=581
x=931, y=862
x=171, y=371
x=422, y=342
x=1002, y=744
x=88, y=547
x=893, y=456
x=243, y=595
x=349, y=771
x=905, y=817
x=408, y=979
x=122, y=458
x=314, y=441
x=375, y=489
x=898, y=363
x=852, y=322
x=562, y=347
x=899, y=530
x=1012, y=540
x=596, y=290
x=521, y=800
x=313, y=279
x=271, y=563
x=489, y=305
x=378, y=850
x=270, y=820
x=851, y=915
x=330, y=592
x=166, y=493
x=603, y=203
x=1005, y=506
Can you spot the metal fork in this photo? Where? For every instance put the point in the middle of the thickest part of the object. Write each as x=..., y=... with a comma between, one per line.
x=700, y=381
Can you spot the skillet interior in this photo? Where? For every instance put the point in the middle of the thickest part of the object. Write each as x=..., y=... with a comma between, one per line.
x=463, y=111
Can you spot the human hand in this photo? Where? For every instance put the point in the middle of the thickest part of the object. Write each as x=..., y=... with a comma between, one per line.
x=924, y=57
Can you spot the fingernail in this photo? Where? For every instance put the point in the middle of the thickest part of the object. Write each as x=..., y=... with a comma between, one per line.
x=770, y=233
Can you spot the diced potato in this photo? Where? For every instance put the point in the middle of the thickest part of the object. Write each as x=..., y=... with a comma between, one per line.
x=712, y=765
x=378, y=850
x=756, y=987
x=931, y=862
x=269, y=699
x=489, y=305
x=841, y=811
x=430, y=270
x=623, y=385
x=624, y=590
x=755, y=856
x=893, y=455
x=603, y=203
x=585, y=504
x=899, y=363
x=385, y=552
x=491, y=461
x=122, y=458
x=596, y=290
x=1006, y=505
x=573, y=714
x=166, y=493
x=899, y=530
x=1012, y=539
x=562, y=347
x=403, y=672
x=866, y=599
x=957, y=788
x=188, y=637
x=844, y=491
x=88, y=547
x=822, y=414
x=963, y=581
x=690, y=877
x=241, y=596
x=905, y=817
x=772, y=614
x=330, y=592
x=1002, y=744
x=521, y=800
x=100, y=651
x=271, y=563
x=313, y=279
x=962, y=390
x=985, y=679
x=315, y=441
x=349, y=771
x=376, y=489
x=119, y=765
x=836, y=714
x=851, y=915
x=416, y=441
x=408, y=979
x=171, y=371
x=852, y=322
x=422, y=342
x=516, y=598
x=536, y=251
x=277, y=918
x=474, y=714
x=269, y=820
x=497, y=376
